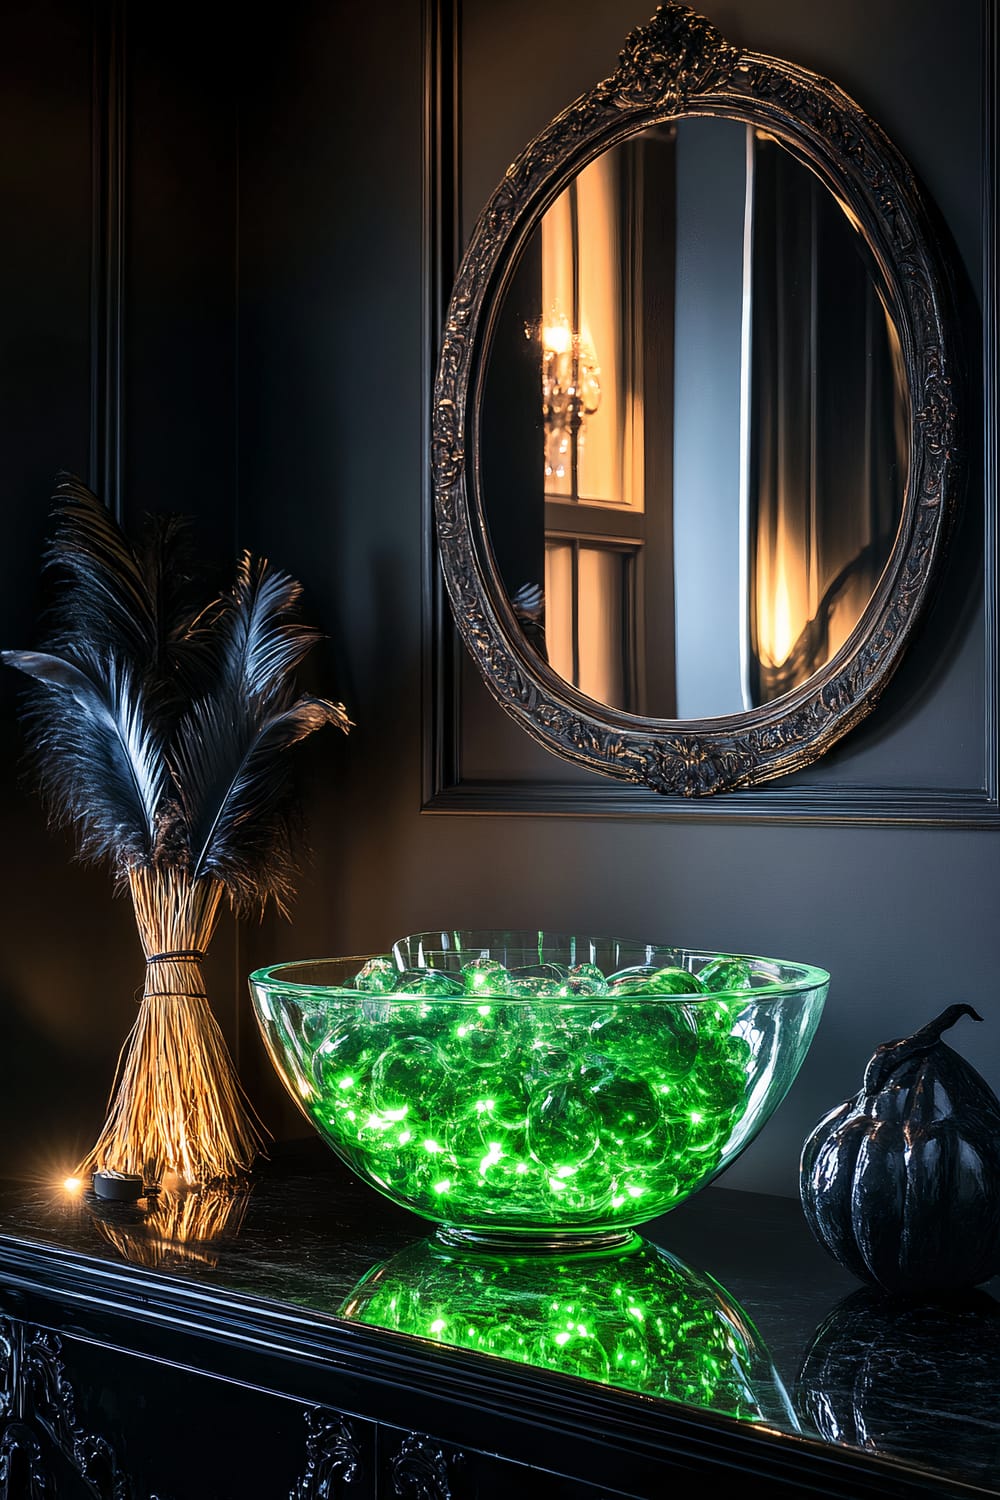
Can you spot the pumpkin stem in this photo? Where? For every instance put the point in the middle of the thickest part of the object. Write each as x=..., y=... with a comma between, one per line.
x=890, y=1055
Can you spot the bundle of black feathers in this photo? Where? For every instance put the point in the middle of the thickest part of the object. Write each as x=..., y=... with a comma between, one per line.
x=157, y=721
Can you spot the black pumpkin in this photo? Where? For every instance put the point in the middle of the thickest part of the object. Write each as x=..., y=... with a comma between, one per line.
x=901, y=1184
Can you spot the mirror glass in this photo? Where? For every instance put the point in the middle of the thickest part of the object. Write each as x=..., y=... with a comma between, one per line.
x=693, y=428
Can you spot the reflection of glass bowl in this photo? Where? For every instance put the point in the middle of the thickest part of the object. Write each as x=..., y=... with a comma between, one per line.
x=636, y=1318
x=534, y=1099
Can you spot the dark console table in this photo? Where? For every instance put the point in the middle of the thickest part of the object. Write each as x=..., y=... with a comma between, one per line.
x=207, y=1350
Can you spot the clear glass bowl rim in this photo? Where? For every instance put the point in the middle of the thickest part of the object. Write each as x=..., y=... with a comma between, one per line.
x=807, y=977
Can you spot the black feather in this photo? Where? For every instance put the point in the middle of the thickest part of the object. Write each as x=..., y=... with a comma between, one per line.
x=229, y=770
x=227, y=760
x=142, y=603
x=99, y=759
x=184, y=644
x=97, y=588
x=262, y=639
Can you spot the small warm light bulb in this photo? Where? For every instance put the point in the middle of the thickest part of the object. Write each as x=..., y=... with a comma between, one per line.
x=73, y=1184
x=557, y=338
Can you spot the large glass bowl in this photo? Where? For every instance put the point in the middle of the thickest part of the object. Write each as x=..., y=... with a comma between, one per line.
x=519, y=1088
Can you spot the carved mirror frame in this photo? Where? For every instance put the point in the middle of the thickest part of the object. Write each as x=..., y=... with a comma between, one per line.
x=679, y=64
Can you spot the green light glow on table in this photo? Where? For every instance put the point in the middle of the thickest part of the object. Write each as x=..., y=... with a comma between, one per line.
x=638, y=1319
x=538, y=1099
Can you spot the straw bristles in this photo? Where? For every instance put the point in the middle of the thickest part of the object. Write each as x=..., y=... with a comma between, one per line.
x=177, y=1105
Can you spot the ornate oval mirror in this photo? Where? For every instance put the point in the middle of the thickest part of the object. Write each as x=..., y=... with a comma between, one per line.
x=695, y=426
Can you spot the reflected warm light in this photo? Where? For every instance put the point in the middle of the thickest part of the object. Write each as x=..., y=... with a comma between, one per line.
x=585, y=290
x=827, y=425
x=181, y=1224
x=775, y=635
x=571, y=392
x=557, y=338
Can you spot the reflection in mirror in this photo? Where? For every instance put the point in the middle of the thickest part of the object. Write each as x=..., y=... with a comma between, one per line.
x=693, y=429
x=636, y=1318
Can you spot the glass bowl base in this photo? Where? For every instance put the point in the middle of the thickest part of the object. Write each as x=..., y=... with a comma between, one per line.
x=535, y=1242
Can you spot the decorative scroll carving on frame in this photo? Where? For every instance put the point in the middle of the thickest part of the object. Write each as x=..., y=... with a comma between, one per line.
x=37, y=1397
x=676, y=61
x=23, y=1473
x=421, y=1470
x=333, y=1457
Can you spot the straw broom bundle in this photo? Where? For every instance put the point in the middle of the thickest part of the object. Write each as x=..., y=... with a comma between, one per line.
x=177, y=1105
x=159, y=726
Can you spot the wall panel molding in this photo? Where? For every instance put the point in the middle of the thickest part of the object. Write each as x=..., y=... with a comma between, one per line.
x=441, y=252
x=446, y=786
x=107, y=284
x=991, y=374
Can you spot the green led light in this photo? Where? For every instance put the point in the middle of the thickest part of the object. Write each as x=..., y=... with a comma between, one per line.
x=540, y=1099
x=641, y=1320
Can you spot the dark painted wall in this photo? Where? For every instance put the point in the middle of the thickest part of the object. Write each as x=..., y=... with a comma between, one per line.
x=71, y=961
x=273, y=361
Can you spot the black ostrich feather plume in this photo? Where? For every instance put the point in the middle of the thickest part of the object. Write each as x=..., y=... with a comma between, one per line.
x=140, y=603
x=98, y=752
x=157, y=720
x=226, y=755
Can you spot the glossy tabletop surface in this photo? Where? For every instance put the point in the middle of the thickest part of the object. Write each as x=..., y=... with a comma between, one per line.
x=726, y=1306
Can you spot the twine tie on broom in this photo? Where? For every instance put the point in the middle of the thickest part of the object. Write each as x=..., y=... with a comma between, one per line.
x=193, y=956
